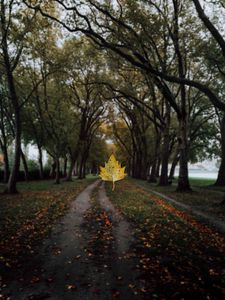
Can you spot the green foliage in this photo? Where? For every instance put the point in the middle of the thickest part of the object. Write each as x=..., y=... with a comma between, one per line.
x=32, y=164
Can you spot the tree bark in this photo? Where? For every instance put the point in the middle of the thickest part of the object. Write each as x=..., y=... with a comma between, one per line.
x=83, y=160
x=11, y=186
x=65, y=167
x=53, y=170
x=4, y=147
x=84, y=169
x=183, y=180
x=6, y=171
x=138, y=167
x=163, y=180
x=209, y=25
x=40, y=160
x=70, y=171
x=73, y=159
x=183, y=118
x=81, y=172
x=75, y=168
x=152, y=177
x=174, y=164
x=158, y=165
x=57, y=173
x=25, y=166
x=221, y=174
x=6, y=164
x=154, y=168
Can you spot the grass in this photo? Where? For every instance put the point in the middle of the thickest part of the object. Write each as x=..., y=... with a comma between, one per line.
x=201, y=182
x=26, y=218
x=204, y=197
x=197, y=181
x=41, y=185
x=164, y=235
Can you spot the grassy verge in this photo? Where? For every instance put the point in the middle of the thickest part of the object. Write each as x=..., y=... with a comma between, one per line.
x=204, y=197
x=201, y=182
x=181, y=258
x=27, y=218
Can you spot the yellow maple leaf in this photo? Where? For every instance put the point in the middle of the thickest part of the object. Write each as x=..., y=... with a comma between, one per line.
x=112, y=171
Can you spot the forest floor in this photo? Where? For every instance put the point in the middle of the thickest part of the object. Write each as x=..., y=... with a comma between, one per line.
x=126, y=244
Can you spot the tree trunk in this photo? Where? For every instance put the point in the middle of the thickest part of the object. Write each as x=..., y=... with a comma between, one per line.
x=73, y=160
x=65, y=167
x=158, y=165
x=163, y=180
x=220, y=181
x=40, y=160
x=221, y=174
x=129, y=167
x=153, y=172
x=53, y=170
x=11, y=186
x=25, y=167
x=147, y=169
x=70, y=171
x=6, y=164
x=80, y=171
x=144, y=165
x=138, y=166
x=4, y=147
x=84, y=169
x=152, y=177
x=94, y=168
x=75, y=169
x=83, y=160
x=57, y=173
x=133, y=163
x=174, y=164
x=183, y=180
x=183, y=115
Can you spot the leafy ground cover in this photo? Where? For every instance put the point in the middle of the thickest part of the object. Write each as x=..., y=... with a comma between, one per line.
x=26, y=218
x=181, y=258
x=204, y=196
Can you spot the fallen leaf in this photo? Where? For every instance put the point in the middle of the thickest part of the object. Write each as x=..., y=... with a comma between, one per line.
x=70, y=287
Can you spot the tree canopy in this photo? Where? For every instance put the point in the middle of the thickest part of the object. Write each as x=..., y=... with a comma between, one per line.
x=79, y=76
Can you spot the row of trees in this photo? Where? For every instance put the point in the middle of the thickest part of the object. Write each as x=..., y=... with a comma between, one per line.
x=173, y=44
x=152, y=69
x=47, y=95
x=148, y=133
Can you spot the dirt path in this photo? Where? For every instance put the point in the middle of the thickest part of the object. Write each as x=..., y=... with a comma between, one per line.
x=88, y=256
x=122, y=229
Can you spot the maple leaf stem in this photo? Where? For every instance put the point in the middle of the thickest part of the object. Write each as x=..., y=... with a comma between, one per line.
x=113, y=187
